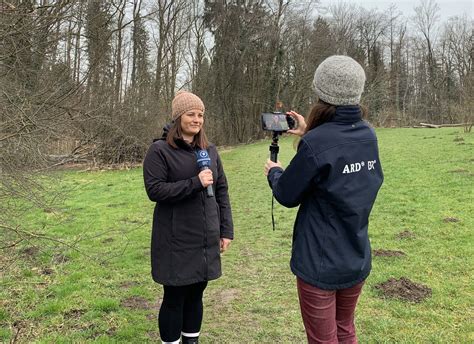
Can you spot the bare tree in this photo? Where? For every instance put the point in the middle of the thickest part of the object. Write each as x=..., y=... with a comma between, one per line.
x=174, y=21
x=426, y=18
x=398, y=83
x=35, y=90
x=118, y=65
x=343, y=19
x=371, y=27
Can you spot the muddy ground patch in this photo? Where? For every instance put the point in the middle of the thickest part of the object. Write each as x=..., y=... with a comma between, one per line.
x=388, y=253
x=135, y=302
x=406, y=234
x=403, y=289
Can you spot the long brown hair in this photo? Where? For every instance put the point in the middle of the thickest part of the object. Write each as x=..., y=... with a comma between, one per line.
x=200, y=139
x=323, y=112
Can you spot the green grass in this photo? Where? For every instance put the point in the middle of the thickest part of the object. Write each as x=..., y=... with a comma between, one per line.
x=102, y=290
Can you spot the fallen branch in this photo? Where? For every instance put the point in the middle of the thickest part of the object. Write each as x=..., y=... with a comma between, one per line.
x=429, y=125
x=11, y=245
x=25, y=234
x=455, y=125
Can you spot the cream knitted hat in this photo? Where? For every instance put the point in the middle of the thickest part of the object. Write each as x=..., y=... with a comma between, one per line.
x=184, y=101
x=339, y=80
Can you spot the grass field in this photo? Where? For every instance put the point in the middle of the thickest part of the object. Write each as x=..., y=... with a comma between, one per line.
x=102, y=292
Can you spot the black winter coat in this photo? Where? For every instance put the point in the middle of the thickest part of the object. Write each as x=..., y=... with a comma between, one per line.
x=187, y=225
x=334, y=177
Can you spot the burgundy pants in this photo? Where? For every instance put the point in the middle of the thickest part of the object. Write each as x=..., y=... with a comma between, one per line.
x=328, y=315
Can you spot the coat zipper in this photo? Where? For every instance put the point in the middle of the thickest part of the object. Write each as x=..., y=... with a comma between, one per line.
x=205, y=236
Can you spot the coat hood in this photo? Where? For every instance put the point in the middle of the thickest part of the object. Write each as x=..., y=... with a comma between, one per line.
x=166, y=130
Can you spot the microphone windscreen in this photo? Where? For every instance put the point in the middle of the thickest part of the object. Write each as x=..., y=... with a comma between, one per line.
x=203, y=159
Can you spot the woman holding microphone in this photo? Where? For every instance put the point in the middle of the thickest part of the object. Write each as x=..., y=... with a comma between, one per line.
x=191, y=227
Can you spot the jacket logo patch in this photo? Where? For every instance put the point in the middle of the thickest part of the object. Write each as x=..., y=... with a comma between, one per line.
x=357, y=167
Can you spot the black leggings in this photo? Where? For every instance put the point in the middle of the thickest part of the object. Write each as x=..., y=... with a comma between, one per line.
x=181, y=310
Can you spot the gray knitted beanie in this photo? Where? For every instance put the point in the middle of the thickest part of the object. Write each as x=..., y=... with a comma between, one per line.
x=339, y=80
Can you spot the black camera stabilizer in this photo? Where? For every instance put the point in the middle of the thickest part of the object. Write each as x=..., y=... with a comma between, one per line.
x=274, y=148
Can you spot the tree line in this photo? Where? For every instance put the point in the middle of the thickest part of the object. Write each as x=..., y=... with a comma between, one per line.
x=95, y=79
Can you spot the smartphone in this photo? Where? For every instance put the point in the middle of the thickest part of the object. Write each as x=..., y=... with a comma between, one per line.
x=277, y=121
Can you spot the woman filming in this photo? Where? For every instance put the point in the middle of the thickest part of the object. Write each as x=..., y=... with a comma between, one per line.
x=334, y=178
x=190, y=227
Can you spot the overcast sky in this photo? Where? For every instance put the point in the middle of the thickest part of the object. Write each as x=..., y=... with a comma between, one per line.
x=448, y=8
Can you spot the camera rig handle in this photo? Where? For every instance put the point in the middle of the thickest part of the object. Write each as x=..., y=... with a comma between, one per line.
x=274, y=148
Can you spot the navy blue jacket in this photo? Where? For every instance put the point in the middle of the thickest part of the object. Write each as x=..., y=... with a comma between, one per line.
x=334, y=178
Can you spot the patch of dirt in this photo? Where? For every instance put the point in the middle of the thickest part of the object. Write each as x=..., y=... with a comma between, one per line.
x=128, y=284
x=115, y=205
x=90, y=327
x=227, y=295
x=450, y=219
x=133, y=221
x=74, y=313
x=388, y=253
x=221, y=299
x=154, y=336
x=152, y=317
x=31, y=251
x=111, y=331
x=404, y=289
x=135, y=302
x=47, y=271
x=459, y=170
x=107, y=240
x=60, y=258
x=405, y=235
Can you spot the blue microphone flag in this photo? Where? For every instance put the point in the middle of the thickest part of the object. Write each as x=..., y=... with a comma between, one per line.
x=204, y=162
x=203, y=159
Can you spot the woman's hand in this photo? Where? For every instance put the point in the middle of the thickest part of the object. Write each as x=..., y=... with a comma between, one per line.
x=270, y=164
x=225, y=243
x=205, y=176
x=300, y=122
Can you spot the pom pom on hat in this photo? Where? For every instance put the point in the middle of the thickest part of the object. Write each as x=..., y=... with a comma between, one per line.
x=339, y=80
x=184, y=101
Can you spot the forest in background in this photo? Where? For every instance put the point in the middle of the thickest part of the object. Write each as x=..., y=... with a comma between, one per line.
x=93, y=80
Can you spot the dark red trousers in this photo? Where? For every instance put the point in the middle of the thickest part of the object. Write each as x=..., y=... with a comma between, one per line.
x=328, y=315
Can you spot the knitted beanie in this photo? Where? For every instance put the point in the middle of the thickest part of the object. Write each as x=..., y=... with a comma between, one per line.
x=184, y=101
x=339, y=80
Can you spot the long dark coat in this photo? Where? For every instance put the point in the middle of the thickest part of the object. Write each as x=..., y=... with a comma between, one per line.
x=187, y=225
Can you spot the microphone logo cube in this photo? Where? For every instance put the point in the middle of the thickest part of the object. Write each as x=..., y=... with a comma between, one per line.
x=203, y=159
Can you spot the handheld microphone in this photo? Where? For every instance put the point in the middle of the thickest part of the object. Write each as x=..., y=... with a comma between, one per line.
x=204, y=161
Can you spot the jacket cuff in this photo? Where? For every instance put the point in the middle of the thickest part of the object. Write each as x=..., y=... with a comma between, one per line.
x=196, y=184
x=271, y=173
x=227, y=235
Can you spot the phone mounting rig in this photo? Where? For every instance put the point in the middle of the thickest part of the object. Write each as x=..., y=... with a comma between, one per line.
x=274, y=148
